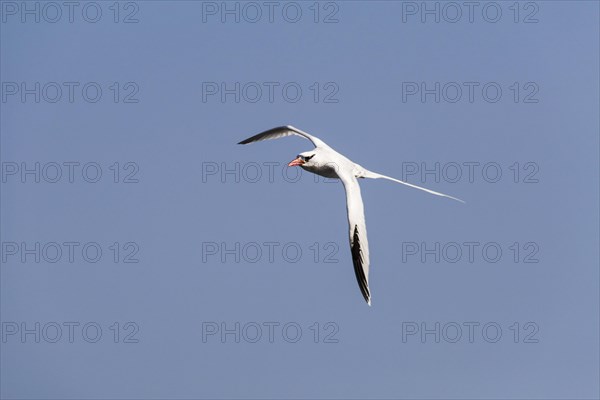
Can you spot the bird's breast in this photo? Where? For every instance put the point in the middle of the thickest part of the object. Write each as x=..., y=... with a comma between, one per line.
x=327, y=170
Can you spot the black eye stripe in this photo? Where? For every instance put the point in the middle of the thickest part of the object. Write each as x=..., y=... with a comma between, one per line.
x=309, y=157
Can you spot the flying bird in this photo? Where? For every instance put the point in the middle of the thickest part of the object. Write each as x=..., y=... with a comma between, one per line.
x=325, y=161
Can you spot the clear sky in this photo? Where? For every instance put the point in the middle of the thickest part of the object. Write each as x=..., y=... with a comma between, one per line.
x=146, y=255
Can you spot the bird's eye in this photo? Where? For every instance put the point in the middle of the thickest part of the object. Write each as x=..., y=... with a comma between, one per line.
x=309, y=157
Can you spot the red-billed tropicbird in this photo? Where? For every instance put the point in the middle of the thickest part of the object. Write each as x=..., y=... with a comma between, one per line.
x=327, y=162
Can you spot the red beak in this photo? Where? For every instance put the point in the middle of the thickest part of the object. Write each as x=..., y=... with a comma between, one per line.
x=296, y=163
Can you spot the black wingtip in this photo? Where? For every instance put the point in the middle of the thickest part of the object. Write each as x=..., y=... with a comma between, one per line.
x=357, y=260
x=249, y=140
x=267, y=132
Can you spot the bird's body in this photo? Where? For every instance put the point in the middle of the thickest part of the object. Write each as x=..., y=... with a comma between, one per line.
x=328, y=168
x=326, y=162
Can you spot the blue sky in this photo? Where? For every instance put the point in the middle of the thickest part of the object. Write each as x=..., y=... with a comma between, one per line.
x=153, y=226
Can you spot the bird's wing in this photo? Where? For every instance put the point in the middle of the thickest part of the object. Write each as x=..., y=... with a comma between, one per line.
x=359, y=246
x=282, y=131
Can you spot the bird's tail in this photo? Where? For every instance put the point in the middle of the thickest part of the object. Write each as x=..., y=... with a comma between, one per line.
x=373, y=175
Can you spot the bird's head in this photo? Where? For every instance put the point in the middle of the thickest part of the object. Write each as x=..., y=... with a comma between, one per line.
x=306, y=159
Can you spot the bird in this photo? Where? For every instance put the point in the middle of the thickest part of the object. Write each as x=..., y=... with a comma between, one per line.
x=325, y=161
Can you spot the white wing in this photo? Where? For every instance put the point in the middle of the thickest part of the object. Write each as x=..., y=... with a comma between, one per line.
x=359, y=245
x=282, y=131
